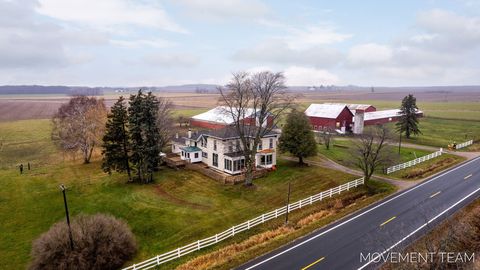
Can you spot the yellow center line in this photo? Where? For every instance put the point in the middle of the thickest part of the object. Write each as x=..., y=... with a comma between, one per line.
x=435, y=194
x=312, y=264
x=392, y=218
x=468, y=176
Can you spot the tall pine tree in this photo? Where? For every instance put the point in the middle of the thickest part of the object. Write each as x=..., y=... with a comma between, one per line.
x=408, y=122
x=116, y=141
x=297, y=136
x=144, y=135
x=152, y=135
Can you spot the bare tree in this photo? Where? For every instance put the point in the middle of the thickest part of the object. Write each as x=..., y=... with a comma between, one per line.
x=78, y=126
x=261, y=96
x=327, y=137
x=164, y=121
x=372, y=150
x=181, y=120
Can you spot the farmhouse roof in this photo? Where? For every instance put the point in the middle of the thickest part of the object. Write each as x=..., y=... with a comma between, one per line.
x=221, y=115
x=191, y=149
x=325, y=110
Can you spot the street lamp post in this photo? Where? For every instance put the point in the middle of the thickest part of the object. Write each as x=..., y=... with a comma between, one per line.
x=62, y=187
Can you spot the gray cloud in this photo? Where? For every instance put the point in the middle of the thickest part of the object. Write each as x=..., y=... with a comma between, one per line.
x=28, y=42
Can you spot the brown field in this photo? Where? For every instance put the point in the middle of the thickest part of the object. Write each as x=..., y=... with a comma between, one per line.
x=21, y=107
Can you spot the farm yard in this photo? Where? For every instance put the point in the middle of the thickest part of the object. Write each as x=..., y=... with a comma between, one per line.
x=183, y=206
x=160, y=214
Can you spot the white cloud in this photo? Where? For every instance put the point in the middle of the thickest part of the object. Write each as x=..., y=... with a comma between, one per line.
x=109, y=14
x=370, y=53
x=224, y=10
x=171, y=59
x=278, y=52
x=304, y=76
x=301, y=38
x=141, y=43
x=449, y=31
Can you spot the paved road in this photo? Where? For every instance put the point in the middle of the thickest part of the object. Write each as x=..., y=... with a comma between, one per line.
x=391, y=223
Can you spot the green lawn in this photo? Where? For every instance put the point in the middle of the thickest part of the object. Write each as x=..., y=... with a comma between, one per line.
x=441, y=132
x=343, y=149
x=180, y=207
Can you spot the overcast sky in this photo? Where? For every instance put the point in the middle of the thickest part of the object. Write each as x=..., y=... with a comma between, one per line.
x=154, y=42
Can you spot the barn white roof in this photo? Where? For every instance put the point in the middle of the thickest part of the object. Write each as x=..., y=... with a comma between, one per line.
x=325, y=110
x=381, y=114
x=353, y=107
x=220, y=115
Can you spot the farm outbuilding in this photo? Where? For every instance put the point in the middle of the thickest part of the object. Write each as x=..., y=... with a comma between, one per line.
x=349, y=117
x=330, y=116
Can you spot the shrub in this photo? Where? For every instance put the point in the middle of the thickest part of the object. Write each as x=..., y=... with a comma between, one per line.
x=100, y=242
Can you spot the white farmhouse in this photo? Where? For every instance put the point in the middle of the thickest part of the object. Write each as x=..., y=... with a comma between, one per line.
x=220, y=149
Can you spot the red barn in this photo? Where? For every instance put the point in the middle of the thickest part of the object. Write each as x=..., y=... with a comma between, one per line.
x=219, y=117
x=330, y=116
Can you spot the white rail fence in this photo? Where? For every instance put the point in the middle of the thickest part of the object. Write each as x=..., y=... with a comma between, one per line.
x=179, y=252
x=414, y=162
x=465, y=144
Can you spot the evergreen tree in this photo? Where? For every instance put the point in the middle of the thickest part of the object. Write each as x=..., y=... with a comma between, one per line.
x=408, y=122
x=144, y=135
x=152, y=135
x=135, y=118
x=116, y=141
x=297, y=137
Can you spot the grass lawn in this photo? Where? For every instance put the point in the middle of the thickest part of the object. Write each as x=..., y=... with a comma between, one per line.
x=342, y=149
x=180, y=207
x=441, y=132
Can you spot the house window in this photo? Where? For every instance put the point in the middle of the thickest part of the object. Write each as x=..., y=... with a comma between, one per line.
x=174, y=147
x=228, y=164
x=203, y=142
x=195, y=144
x=260, y=146
x=214, y=145
x=238, y=165
x=205, y=154
x=230, y=148
x=215, y=160
x=266, y=160
x=271, y=143
x=237, y=145
x=196, y=155
x=188, y=155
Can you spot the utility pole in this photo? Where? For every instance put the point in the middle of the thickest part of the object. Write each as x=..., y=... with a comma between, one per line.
x=62, y=187
x=288, y=202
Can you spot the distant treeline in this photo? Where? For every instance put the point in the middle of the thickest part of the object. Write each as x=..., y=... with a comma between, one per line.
x=61, y=90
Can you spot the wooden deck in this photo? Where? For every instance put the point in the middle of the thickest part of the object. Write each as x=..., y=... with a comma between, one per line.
x=174, y=161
